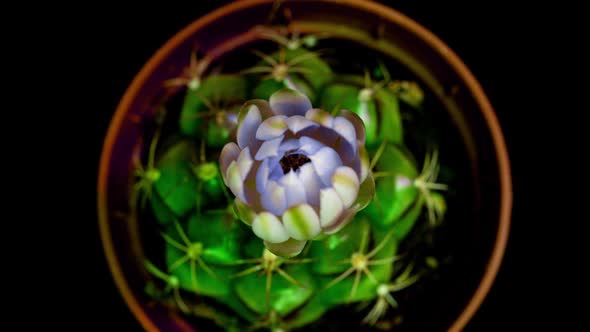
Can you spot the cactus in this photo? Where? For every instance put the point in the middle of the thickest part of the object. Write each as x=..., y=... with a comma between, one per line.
x=233, y=257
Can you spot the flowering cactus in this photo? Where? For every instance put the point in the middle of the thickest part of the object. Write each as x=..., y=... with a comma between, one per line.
x=344, y=182
x=296, y=171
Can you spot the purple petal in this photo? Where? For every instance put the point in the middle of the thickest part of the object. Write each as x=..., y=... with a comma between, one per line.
x=245, y=163
x=288, y=145
x=358, y=124
x=345, y=129
x=272, y=127
x=311, y=183
x=356, y=165
x=329, y=137
x=274, y=199
x=276, y=171
x=248, y=126
x=289, y=102
x=293, y=188
x=297, y=123
x=325, y=161
x=269, y=148
x=262, y=176
x=309, y=145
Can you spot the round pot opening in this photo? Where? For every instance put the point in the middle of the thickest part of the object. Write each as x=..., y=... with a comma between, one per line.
x=467, y=132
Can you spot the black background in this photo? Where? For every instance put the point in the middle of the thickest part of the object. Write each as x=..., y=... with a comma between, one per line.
x=494, y=39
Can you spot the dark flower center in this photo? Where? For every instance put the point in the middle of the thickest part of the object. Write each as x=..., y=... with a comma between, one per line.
x=293, y=162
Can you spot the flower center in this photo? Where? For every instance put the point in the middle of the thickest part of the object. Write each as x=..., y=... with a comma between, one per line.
x=293, y=162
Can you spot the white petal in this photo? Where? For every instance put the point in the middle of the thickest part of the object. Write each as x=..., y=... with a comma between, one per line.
x=248, y=126
x=330, y=207
x=309, y=145
x=345, y=129
x=312, y=184
x=347, y=184
x=343, y=220
x=272, y=127
x=289, y=102
x=274, y=199
x=288, y=145
x=269, y=228
x=245, y=163
x=319, y=116
x=262, y=176
x=301, y=222
x=234, y=181
x=269, y=148
x=325, y=161
x=229, y=153
x=294, y=189
x=297, y=123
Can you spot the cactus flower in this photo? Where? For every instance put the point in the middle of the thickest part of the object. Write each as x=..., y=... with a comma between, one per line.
x=297, y=172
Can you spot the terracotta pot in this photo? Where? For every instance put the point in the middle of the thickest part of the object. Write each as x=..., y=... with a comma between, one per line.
x=481, y=235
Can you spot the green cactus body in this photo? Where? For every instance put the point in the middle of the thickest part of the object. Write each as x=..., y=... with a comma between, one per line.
x=210, y=255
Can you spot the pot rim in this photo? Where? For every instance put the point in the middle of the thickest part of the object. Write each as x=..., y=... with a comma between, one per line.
x=386, y=12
